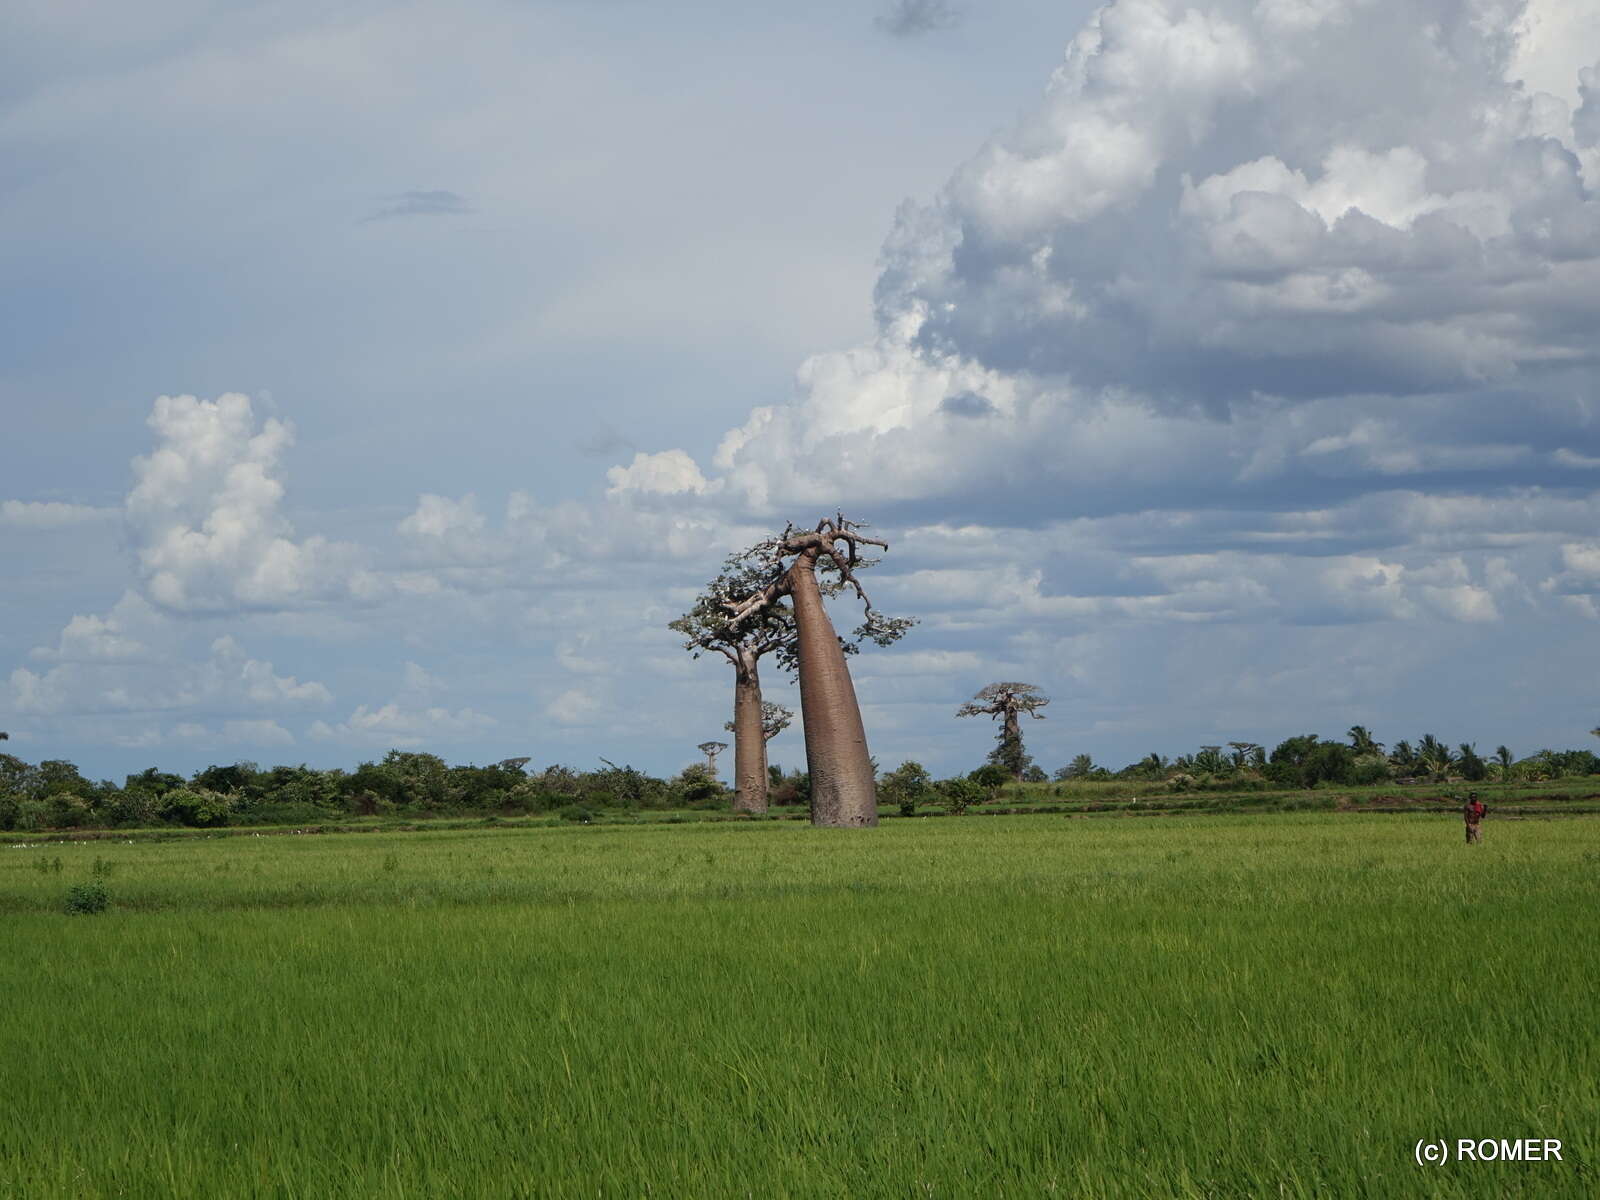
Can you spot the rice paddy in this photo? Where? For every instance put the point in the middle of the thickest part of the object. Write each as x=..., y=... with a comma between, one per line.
x=1183, y=1006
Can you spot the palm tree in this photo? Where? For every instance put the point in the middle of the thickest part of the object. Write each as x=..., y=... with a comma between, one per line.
x=1434, y=756
x=1081, y=767
x=1502, y=755
x=1361, y=741
x=1403, y=758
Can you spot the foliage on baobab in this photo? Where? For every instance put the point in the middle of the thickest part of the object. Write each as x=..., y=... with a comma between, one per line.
x=775, y=718
x=843, y=787
x=1005, y=702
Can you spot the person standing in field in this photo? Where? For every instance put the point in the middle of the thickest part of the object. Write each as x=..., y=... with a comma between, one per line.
x=1473, y=811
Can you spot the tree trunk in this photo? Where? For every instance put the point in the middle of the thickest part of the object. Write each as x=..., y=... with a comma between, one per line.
x=749, y=739
x=1013, y=742
x=843, y=791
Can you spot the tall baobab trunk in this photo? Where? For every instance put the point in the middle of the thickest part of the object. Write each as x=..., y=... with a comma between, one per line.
x=749, y=737
x=1013, y=738
x=843, y=791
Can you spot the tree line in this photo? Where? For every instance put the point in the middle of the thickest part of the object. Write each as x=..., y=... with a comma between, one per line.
x=54, y=794
x=767, y=600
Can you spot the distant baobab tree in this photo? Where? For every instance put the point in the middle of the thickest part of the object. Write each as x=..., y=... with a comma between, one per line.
x=711, y=750
x=775, y=718
x=1004, y=701
x=843, y=787
x=1246, y=754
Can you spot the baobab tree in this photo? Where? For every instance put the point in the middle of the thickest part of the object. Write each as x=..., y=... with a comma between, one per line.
x=1247, y=754
x=711, y=750
x=775, y=718
x=709, y=627
x=1004, y=701
x=843, y=786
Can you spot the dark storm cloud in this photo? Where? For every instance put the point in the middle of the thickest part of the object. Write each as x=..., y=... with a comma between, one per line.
x=908, y=18
x=967, y=404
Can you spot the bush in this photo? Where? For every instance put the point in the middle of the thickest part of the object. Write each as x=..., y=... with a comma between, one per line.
x=86, y=897
x=698, y=787
x=576, y=812
x=1369, y=769
x=906, y=786
x=960, y=794
x=990, y=776
x=198, y=808
x=32, y=814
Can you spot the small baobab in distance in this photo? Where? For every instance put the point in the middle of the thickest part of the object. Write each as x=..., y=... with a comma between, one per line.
x=711, y=750
x=1005, y=702
x=843, y=789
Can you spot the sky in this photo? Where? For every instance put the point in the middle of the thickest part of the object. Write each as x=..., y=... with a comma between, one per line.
x=388, y=375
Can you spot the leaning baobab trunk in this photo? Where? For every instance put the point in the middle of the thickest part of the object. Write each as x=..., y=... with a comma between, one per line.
x=843, y=790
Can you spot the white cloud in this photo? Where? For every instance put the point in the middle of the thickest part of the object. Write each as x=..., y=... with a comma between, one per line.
x=575, y=706
x=133, y=662
x=1132, y=290
x=206, y=515
x=668, y=473
x=410, y=718
x=392, y=725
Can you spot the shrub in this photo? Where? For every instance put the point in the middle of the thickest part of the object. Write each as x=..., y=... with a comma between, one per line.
x=196, y=807
x=906, y=786
x=576, y=812
x=33, y=814
x=990, y=776
x=86, y=897
x=698, y=787
x=132, y=806
x=959, y=794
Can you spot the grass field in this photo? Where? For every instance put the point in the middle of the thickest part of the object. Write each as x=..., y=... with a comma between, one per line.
x=1019, y=1006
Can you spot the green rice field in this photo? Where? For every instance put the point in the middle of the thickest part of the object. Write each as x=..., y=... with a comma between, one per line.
x=1249, y=1005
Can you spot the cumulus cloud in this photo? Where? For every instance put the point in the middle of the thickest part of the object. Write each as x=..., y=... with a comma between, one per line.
x=1188, y=265
x=669, y=473
x=132, y=661
x=206, y=515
